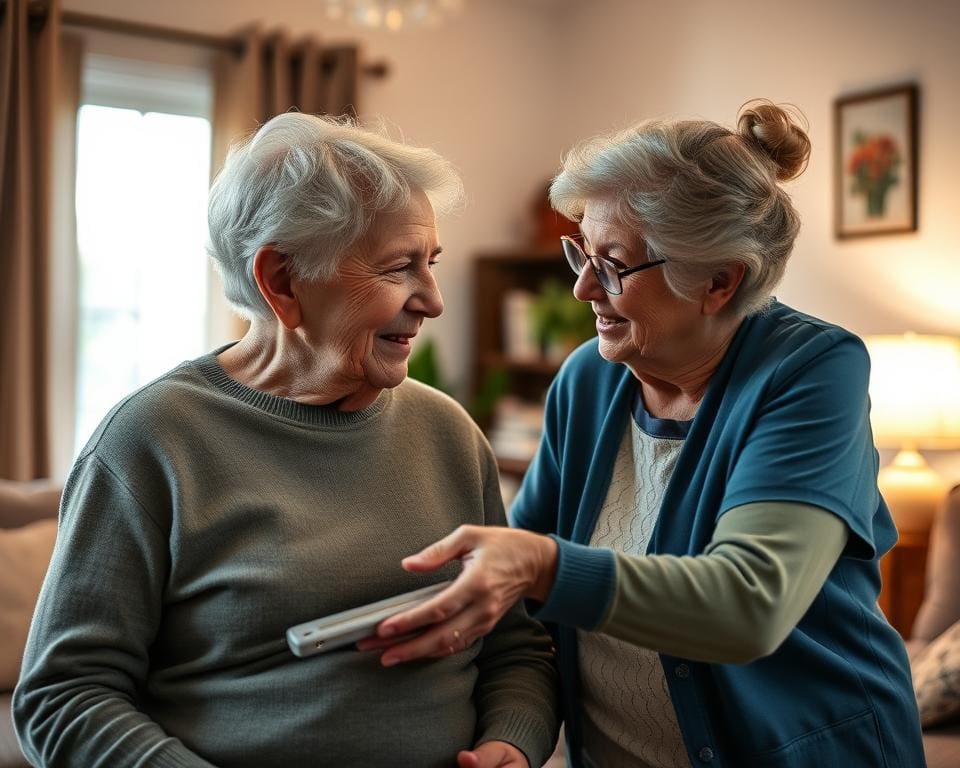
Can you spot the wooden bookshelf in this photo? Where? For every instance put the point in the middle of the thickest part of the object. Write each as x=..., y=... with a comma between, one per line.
x=903, y=574
x=513, y=467
x=494, y=276
x=538, y=366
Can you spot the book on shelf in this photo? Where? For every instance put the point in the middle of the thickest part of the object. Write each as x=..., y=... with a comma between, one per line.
x=519, y=339
x=516, y=429
x=509, y=485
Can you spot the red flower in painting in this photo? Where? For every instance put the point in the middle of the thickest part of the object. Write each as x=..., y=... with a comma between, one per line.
x=873, y=165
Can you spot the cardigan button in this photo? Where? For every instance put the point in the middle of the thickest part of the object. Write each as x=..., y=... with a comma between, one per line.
x=705, y=754
x=682, y=671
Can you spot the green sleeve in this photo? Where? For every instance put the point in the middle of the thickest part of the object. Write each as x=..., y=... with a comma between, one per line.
x=740, y=598
x=87, y=653
x=517, y=689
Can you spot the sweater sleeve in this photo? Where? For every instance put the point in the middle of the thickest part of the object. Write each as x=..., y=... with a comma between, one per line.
x=87, y=653
x=517, y=687
x=735, y=602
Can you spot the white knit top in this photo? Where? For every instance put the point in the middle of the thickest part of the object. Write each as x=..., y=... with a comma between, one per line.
x=628, y=717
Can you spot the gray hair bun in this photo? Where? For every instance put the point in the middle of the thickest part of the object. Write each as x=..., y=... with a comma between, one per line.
x=778, y=134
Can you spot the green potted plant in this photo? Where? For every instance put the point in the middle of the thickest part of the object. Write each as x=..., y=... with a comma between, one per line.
x=424, y=366
x=560, y=321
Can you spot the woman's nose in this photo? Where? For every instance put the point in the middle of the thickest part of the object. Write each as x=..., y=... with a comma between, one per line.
x=587, y=287
x=427, y=300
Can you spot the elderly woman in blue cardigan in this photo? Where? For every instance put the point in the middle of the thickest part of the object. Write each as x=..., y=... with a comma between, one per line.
x=701, y=524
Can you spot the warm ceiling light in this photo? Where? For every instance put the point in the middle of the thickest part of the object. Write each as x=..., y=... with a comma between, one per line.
x=392, y=14
x=394, y=19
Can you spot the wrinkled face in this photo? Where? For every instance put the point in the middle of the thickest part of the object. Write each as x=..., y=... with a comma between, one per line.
x=646, y=326
x=361, y=322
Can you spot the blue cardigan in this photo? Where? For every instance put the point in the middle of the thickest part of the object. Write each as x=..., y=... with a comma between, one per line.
x=785, y=418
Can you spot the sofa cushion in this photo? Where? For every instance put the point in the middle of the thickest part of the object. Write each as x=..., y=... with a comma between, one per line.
x=10, y=754
x=942, y=746
x=936, y=678
x=25, y=502
x=915, y=648
x=941, y=601
x=25, y=553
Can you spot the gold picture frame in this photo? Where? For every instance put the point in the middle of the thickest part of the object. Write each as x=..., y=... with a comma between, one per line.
x=875, y=135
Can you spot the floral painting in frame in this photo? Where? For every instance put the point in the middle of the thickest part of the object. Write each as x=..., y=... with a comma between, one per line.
x=876, y=162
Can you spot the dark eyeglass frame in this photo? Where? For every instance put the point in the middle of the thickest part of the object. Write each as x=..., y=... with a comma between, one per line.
x=579, y=259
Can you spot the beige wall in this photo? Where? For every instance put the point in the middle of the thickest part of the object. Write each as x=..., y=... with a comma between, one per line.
x=502, y=88
x=704, y=58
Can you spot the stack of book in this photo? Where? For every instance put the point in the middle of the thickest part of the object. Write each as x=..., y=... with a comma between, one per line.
x=516, y=428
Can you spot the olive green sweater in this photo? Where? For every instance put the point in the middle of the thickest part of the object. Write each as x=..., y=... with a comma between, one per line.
x=203, y=519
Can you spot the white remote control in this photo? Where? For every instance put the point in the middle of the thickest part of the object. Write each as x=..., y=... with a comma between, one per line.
x=346, y=627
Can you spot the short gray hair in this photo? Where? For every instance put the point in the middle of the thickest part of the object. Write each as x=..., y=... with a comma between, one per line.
x=311, y=186
x=702, y=196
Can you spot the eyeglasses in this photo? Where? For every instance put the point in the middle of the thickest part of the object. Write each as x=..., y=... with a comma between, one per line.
x=609, y=271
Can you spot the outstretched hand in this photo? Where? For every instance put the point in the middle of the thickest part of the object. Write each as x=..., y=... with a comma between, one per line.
x=500, y=566
x=493, y=754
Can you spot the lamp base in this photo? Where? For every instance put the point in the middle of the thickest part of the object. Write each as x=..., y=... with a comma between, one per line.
x=912, y=490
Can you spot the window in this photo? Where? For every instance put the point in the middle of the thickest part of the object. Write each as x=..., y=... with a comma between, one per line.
x=143, y=170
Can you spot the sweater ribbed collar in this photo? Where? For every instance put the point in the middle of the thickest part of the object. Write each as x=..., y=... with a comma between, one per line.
x=285, y=408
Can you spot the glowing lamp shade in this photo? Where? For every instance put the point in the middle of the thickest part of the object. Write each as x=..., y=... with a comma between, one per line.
x=915, y=403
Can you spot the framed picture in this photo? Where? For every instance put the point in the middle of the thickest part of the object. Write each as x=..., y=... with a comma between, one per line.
x=876, y=162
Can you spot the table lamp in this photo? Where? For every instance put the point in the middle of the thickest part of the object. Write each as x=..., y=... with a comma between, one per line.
x=915, y=403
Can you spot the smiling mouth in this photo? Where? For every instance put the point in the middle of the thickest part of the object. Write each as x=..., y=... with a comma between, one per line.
x=398, y=338
x=608, y=321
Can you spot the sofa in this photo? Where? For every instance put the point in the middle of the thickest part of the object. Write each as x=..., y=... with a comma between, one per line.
x=934, y=644
x=28, y=513
x=28, y=526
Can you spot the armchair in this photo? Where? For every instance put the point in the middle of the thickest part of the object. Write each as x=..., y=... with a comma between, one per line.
x=28, y=513
x=939, y=611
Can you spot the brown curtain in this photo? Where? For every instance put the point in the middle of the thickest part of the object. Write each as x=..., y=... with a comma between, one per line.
x=269, y=76
x=272, y=75
x=29, y=44
x=64, y=258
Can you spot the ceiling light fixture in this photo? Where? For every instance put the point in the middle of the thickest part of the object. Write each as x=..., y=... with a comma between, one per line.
x=392, y=15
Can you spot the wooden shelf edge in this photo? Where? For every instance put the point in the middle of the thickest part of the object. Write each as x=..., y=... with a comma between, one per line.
x=513, y=466
x=519, y=255
x=532, y=365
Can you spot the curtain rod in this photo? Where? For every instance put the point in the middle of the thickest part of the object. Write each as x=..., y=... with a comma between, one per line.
x=235, y=45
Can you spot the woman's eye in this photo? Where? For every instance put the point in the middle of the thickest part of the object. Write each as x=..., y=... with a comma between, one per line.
x=410, y=266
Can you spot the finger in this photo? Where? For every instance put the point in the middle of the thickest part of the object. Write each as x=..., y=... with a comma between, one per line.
x=434, y=611
x=374, y=643
x=431, y=644
x=438, y=641
x=491, y=754
x=468, y=760
x=451, y=547
x=434, y=644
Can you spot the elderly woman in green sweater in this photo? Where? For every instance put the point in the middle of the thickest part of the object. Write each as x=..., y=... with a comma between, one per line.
x=703, y=525
x=276, y=480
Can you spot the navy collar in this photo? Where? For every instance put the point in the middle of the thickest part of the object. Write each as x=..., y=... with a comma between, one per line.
x=669, y=429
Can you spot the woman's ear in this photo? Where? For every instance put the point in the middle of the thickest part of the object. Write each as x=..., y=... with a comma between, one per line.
x=273, y=279
x=722, y=287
